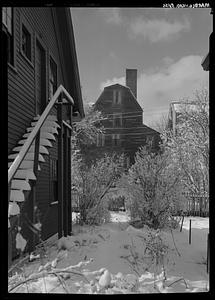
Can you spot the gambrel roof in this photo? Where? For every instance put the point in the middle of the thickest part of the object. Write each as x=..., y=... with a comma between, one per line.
x=120, y=86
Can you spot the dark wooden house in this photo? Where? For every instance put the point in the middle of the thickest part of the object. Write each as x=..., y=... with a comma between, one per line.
x=43, y=95
x=124, y=128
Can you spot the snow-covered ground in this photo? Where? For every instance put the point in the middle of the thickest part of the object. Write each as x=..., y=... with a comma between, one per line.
x=110, y=259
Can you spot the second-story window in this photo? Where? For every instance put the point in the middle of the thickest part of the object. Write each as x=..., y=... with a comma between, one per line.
x=26, y=42
x=52, y=77
x=116, y=97
x=117, y=120
x=7, y=21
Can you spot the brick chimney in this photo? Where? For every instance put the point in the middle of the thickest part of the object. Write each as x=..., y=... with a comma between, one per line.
x=131, y=80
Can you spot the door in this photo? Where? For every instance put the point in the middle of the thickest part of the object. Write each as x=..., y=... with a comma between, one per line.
x=40, y=68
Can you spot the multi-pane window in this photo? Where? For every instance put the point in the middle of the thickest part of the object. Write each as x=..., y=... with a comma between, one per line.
x=7, y=21
x=100, y=141
x=52, y=77
x=116, y=139
x=26, y=42
x=53, y=180
x=116, y=97
x=117, y=120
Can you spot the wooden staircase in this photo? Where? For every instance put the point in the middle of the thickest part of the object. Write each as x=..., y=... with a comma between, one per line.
x=25, y=172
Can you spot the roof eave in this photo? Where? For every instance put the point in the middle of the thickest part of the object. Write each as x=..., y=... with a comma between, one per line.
x=72, y=53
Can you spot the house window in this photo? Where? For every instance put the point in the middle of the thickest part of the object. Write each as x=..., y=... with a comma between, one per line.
x=116, y=97
x=117, y=120
x=7, y=21
x=127, y=162
x=100, y=140
x=53, y=180
x=52, y=77
x=149, y=141
x=26, y=42
x=116, y=139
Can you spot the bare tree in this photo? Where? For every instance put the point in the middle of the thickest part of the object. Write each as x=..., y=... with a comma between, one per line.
x=153, y=187
x=189, y=148
x=161, y=124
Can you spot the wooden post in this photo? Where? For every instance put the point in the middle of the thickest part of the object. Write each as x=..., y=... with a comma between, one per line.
x=193, y=206
x=9, y=233
x=65, y=182
x=200, y=206
x=69, y=186
x=60, y=166
x=33, y=190
x=182, y=223
x=9, y=247
x=190, y=233
x=208, y=253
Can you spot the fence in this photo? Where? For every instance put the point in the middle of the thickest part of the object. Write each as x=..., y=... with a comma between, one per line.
x=75, y=201
x=197, y=205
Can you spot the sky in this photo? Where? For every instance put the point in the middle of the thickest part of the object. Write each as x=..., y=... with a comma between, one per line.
x=166, y=46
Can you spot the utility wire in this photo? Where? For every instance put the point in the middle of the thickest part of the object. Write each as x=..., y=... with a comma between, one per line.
x=137, y=113
x=122, y=128
x=139, y=133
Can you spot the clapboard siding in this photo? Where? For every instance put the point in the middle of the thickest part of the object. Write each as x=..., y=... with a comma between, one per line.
x=18, y=95
x=15, y=119
x=21, y=86
x=41, y=19
x=22, y=100
x=18, y=92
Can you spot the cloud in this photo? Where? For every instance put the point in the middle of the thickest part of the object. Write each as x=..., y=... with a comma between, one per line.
x=113, y=55
x=156, y=30
x=112, y=15
x=120, y=80
x=167, y=60
x=173, y=82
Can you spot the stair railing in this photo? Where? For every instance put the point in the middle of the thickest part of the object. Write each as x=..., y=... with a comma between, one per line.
x=18, y=160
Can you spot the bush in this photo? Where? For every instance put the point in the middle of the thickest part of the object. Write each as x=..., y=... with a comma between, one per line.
x=97, y=215
x=94, y=185
x=154, y=189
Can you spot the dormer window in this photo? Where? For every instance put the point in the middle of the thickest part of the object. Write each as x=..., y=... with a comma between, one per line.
x=116, y=97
